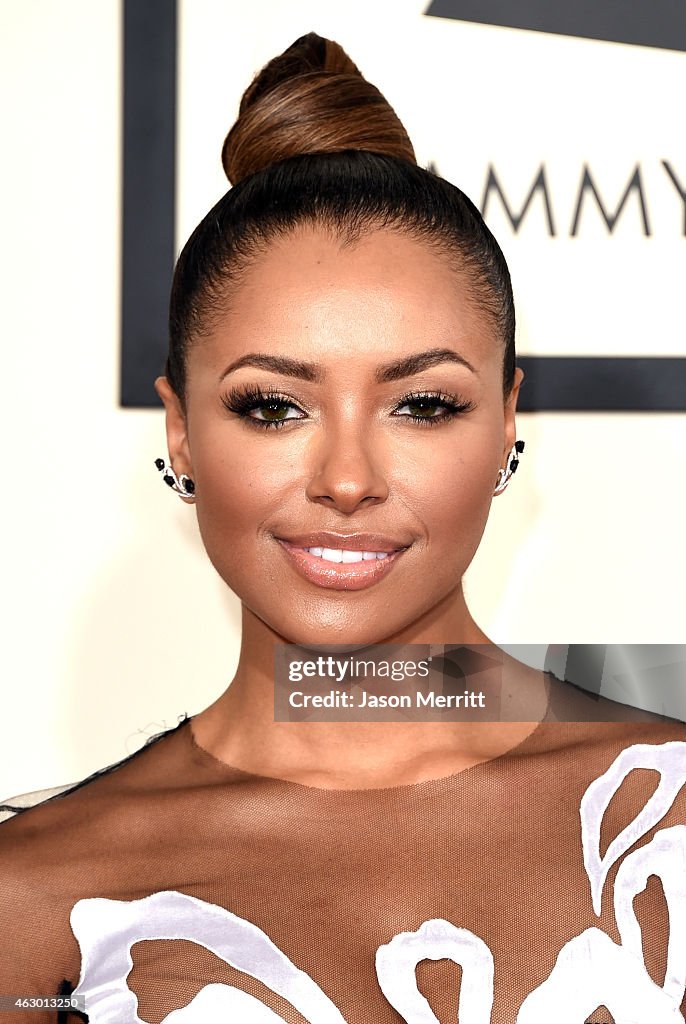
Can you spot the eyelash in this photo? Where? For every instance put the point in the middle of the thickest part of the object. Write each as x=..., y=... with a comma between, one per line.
x=242, y=401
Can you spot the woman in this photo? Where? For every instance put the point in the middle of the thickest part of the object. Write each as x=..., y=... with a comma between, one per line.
x=341, y=380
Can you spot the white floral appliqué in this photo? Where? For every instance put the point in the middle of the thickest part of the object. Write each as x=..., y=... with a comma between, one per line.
x=591, y=969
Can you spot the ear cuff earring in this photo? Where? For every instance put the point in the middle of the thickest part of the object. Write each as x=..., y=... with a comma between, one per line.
x=183, y=485
x=185, y=488
x=505, y=474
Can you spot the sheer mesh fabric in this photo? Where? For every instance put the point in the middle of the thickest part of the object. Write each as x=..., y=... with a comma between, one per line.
x=321, y=879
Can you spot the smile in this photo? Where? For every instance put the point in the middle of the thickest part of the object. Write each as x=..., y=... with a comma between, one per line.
x=338, y=569
x=341, y=555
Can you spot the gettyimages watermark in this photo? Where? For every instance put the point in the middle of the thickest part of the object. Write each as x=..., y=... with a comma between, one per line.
x=478, y=682
x=384, y=682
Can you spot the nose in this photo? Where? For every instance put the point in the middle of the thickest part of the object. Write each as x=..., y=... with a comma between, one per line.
x=349, y=468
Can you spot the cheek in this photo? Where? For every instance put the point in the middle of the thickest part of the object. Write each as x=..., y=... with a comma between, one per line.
x=452, y=491
x=238, y=492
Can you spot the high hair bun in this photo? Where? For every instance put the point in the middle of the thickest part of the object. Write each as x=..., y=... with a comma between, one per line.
x=310, y=99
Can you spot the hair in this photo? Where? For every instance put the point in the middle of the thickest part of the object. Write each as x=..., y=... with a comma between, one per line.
x=316, y=144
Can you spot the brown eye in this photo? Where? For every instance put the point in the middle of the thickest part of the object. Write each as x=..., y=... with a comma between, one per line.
x=426, y=402
x=244, y=401
x=272, y=406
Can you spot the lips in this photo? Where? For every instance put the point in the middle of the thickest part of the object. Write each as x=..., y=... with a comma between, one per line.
x=340, y=575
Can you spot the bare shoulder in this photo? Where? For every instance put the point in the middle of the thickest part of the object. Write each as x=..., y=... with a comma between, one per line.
x=72, y=844
x=39, y=947
x=619, y=768
x=14, y=805
x=44, y=831
x=599, y=742
x=55, y=837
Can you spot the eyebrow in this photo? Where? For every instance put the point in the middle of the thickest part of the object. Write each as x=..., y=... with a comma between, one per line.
x=385, y=373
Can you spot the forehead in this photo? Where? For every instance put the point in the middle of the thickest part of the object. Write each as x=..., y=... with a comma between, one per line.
x=386, y=293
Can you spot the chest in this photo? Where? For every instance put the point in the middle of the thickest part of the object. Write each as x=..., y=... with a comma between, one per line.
x=360, y=916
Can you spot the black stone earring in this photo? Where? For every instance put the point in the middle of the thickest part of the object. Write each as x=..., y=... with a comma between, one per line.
x=505, y=474
x=183, y=485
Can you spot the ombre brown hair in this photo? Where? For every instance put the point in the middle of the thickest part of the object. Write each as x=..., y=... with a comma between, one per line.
x=315, y=143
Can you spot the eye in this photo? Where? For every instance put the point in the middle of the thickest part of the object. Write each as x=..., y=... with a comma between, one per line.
x=273, y=407
x=243, y=401
x=453, y=406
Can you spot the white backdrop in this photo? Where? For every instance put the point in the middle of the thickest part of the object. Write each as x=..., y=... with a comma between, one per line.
x=114, y=621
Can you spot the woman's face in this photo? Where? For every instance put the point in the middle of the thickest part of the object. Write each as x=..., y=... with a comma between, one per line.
x=348, y=456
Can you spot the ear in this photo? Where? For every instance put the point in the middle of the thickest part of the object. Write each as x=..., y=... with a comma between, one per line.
x=509, y=413
x=177, y=433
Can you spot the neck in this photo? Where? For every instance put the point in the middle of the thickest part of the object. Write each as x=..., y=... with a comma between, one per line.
x=240, y=727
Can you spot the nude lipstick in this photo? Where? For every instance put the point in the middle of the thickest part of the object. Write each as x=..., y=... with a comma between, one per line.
x=340, y=575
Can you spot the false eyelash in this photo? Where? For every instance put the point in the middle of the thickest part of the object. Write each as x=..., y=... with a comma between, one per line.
x=454, y=406
x=242, y=401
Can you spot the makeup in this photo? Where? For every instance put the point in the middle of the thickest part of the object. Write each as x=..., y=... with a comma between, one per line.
x=339, y=575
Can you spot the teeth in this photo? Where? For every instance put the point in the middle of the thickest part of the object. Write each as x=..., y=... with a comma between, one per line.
x=338, y=555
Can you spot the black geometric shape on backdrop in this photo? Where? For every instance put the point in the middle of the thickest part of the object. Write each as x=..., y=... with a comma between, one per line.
x=602, y=384
x=149, y=143
x=659, y=23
